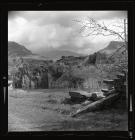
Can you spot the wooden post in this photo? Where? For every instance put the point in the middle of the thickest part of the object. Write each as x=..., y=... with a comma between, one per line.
x=126, y=90
x=126, y=73
x=125, y=30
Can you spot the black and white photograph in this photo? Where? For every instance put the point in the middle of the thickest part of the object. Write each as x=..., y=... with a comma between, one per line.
x=68, y=70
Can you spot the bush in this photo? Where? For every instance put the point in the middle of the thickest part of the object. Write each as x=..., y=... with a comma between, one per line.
x=56, y=71
x=73, y=80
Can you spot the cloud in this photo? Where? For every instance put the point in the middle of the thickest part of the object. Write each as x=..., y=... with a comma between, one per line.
x=59, y=16
x=46, y=30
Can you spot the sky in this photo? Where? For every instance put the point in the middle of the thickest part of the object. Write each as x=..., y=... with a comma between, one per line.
x=42, y=31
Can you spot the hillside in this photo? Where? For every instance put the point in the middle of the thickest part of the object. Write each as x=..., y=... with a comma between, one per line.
x=15, y=49
x=102, y=55
x=111, y=47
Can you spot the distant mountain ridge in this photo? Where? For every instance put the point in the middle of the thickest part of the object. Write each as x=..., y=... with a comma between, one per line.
x=15, y=49
x=57, y=54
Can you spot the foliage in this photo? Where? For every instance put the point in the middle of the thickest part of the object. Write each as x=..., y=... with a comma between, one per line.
x=72, y=78
x=30, y=75
x=56, y=71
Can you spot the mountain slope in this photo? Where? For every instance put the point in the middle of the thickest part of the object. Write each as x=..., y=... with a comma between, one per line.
x=111, y=47
x=15, y=49
x=102, y=55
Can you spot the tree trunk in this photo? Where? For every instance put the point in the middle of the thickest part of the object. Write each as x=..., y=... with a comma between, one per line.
x=126, y=91
x=97, y=104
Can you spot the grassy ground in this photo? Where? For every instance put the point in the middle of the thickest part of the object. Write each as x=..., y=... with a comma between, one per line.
x=50, y=109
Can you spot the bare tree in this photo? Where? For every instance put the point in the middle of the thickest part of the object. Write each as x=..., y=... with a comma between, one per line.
x=91, y=27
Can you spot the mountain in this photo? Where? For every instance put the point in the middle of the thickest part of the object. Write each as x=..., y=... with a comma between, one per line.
x=56, y=54
x=111, y=47
x=15, y=49
x=102, y=55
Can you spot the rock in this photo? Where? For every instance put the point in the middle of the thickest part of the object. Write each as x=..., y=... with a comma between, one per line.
x=110, y=83
x=107, y=81
x=76, y=95
x=79, y=94
x=99, y=94
x=121, y=76
x=93, y=97
x=104, y=90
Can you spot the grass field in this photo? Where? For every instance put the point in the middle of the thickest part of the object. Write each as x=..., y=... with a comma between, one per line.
x=50, y=109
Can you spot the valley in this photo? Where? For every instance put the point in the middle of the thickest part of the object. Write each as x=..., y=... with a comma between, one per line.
x=49, y=109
